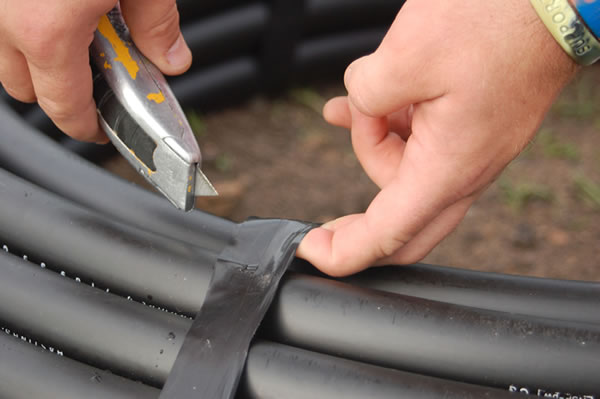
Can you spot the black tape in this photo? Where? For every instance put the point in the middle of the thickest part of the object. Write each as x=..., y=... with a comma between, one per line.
x=245, y=278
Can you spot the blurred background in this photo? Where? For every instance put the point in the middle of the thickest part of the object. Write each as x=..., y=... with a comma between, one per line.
x=276, y=157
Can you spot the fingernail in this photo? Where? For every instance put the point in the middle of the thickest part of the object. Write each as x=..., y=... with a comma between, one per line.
x=348, y=75
x=179, y=55
x=328, y=225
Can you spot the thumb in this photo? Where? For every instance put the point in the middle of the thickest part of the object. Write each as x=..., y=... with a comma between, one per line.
x=395, y=76
x=155, y=30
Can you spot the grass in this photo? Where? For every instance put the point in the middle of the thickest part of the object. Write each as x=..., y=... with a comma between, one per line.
x=224, y=163
x=581, y=102
x=581, y=111
x=553, y=148
x=588, y=191
x=197, y=123
x=309, y=98
x=518, y=195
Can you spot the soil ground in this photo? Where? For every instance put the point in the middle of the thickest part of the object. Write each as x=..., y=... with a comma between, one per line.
x=278, y=158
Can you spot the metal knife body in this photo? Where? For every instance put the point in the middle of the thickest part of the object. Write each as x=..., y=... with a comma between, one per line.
x=142, y=117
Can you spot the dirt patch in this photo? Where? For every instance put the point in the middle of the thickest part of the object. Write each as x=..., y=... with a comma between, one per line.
x=278, y=158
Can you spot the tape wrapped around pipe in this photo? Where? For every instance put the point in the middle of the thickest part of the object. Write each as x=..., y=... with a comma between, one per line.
x=243, y=285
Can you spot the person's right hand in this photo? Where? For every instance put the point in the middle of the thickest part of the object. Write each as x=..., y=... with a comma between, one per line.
x=44, y=53
x=453, y=93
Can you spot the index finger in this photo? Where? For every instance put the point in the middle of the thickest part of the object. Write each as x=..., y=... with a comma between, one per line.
x=419, y=193
x=62, y=81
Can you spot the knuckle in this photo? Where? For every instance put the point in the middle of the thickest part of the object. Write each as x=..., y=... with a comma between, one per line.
x=362, y=88
x=88, y=134
x=339, y=262
x=338, y=265
x=41, y=39
x=388, y=246
x=27, y=97
x=23, y=95
x=60, y=111
x=167, y=26
x=411, y=257
x=72, y=117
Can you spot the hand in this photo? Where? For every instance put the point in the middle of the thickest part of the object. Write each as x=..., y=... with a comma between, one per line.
x=455, y=91
x=44, y=53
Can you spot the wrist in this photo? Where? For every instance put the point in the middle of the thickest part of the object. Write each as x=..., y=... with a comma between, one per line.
x=569, y=29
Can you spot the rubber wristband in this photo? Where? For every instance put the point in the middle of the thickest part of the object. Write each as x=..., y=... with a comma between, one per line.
x=589, y=11
x=568, y=29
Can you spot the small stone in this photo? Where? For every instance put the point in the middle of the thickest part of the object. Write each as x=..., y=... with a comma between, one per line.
x=558, y=237
x=524, y=236
x=472, y=236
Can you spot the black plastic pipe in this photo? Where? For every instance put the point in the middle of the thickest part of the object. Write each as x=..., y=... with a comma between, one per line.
x=281, y=37
x=541, y=297
x=232, y=79
x=37, y=118
x=228, y=35
x=318, y=17
x=95, y=153
x=577, y=301
x=464, y=344
x=193, y=9
x=331, y=16
x=435, y=338
x=207, y=88
x=28, y=372
x=29, y=154
x=237, y=28
x=133, y=340
x=280, y=371
x=244, y=31
x=89, y=324
x=273, y=371
x=29, y=212
x=359, y=345
x=215, y=86
x=26, y=221
x=14, y=104
x=522, y=341
x=84, y=244
x=316, y=59
x=131, y=205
